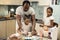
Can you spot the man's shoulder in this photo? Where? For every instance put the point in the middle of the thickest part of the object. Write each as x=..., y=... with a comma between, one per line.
x=31, y=8
x=20, y=7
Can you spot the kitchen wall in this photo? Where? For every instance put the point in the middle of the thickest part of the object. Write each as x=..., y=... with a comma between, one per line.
x=3, y=10
x=11, y=2
x=59, y=2
x=44, y=2
x=38, y=8
x=56, y=13
x=6, y=9
x=45, y=14
x=19, y=2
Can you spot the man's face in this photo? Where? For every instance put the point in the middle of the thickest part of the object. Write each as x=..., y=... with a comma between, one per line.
x=26, y=7
x=49, y=12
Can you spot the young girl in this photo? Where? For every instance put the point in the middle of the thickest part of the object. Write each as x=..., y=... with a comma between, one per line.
x=49, y=22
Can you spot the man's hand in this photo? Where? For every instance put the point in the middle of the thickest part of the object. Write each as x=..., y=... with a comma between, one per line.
x=34, y=32
x=18, y=18
x=19, y=30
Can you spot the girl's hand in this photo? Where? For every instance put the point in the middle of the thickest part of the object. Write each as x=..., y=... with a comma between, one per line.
x=45, y=28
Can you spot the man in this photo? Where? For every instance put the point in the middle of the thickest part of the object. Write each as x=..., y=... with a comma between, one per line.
x=25, y=11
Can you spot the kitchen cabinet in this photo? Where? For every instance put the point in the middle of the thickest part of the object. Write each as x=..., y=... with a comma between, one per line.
x=33, y=0
x=11, y=29
x=11, y=2
x=7, y=28
x=2, y=29
x=43, y=2
x=3, y=10
x=19, y=2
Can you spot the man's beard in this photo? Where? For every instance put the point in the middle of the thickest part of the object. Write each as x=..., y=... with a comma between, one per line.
x=26, y=10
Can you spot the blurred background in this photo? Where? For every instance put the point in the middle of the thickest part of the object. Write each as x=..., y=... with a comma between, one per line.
x=8, y=9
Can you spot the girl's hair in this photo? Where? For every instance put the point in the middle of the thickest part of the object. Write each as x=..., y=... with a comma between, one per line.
x=50, y=9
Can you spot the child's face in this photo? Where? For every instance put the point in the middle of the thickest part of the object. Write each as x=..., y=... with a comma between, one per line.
x=27, y=21
x=49, y=12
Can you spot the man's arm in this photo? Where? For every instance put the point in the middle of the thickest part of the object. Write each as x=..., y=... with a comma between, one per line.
x=18, y=18
x=33, y=22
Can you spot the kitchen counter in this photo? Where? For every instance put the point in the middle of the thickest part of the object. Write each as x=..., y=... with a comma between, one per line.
x=4, y=19
x=7, y=27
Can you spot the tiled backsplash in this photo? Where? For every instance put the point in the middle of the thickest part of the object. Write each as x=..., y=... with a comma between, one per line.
x=3, y=10
x=38, y=10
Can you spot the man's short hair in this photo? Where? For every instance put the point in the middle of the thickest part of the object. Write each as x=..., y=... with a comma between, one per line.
x=26, y=2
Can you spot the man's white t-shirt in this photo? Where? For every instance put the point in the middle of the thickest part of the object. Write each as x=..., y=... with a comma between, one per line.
x=48, y=19
x=21, y=12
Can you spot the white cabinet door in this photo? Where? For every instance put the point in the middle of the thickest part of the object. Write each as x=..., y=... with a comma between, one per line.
x=2, y=29
x=11, y=2
x=11, y=27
